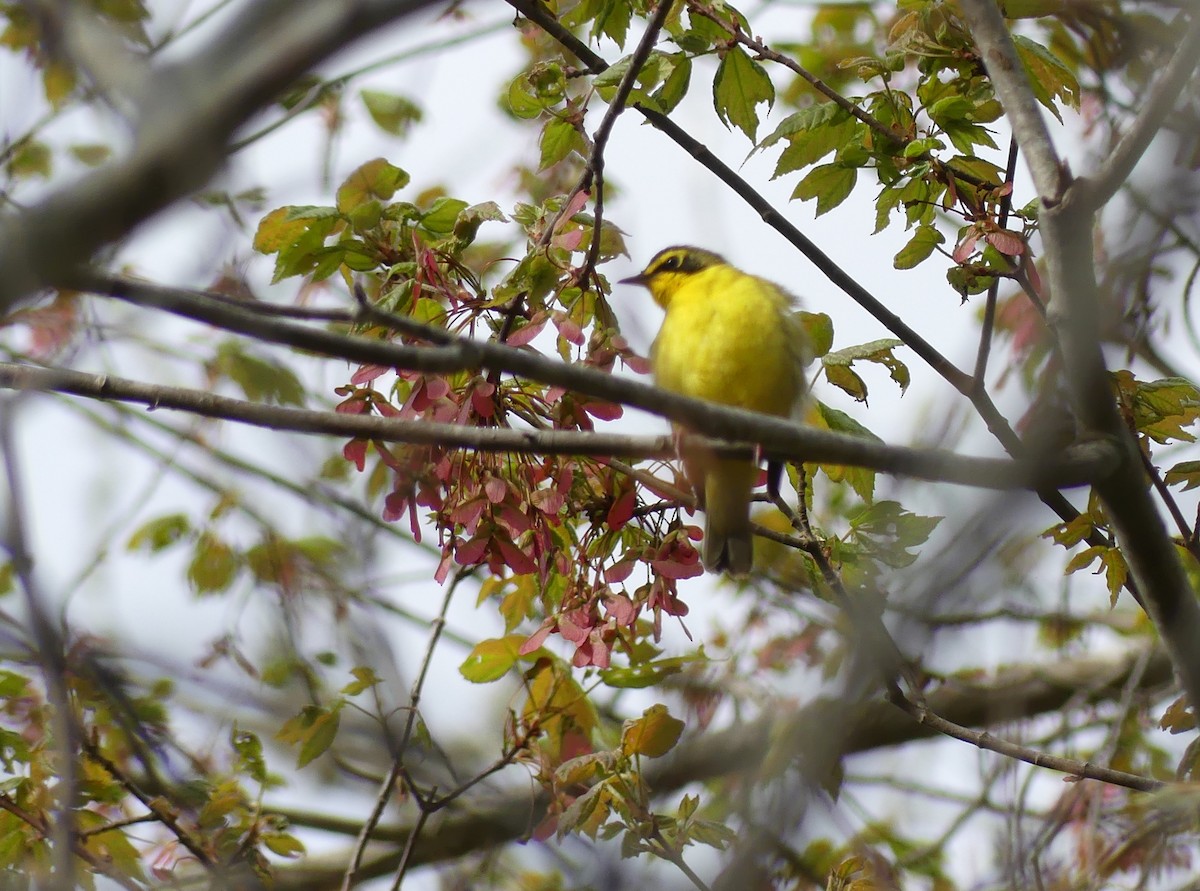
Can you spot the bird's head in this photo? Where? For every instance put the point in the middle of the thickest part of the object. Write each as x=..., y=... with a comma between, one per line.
x=671, y=268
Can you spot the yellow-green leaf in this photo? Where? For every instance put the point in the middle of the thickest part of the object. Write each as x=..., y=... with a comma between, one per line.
x=818, y=327
x=394, y=114
x=653, y=734
x=375, y=179
x=491, y=660
x=1048, y=76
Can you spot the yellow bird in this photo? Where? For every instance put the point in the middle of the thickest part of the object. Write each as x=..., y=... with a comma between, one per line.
x=728, y=337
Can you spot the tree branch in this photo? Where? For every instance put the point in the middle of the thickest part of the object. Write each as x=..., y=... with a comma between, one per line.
x=780, y=440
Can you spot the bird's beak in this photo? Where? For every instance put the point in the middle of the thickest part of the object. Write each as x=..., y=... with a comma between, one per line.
x=639, y=279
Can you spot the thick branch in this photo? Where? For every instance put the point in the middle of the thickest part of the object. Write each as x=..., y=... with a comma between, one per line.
x=187, y=114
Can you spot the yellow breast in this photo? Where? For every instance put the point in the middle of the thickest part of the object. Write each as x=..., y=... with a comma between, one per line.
x=729, y=337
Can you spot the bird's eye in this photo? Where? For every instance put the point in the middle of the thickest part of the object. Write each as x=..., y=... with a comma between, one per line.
x=671, y=263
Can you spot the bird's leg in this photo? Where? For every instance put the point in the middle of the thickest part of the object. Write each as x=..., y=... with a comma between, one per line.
x=774, y=478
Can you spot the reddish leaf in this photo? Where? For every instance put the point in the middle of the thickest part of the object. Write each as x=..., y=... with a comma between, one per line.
x=1008, y=243
x=605, y=411
x=443, y=570
x=637, y=363
x=522, y=336
x=495, y=489
x=537, y=638
x=368, y=373
x=621, y=511
x=472, y=552
x=621, y=609
x=569, y=241
x=394, y=505
x=515, y=521
x=569, y=329
x=618, y=572
x=482, y=402
x=548, y=501
x=356, y=451
x=517, y=560
x=673, y=569
x=966, y=247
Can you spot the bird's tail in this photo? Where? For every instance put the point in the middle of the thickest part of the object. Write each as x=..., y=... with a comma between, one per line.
x=728, y=541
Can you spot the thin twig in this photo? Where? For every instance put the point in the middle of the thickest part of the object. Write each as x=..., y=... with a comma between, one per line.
x=989, y=312
x=985, y=740
x=385, y=790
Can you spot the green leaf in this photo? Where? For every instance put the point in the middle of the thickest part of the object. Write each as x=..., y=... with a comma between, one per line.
x=1048, y=76
x=815, y=117
x=653, y=734
x=492, y=659
x=520, y=100
x=675, y=87
x=923, y=243
x=466, y=226
x=647, y=674
x=393, y=114
x=830, y=184
x=966, y=135
x=741, y=85
x=262, y=380
x=90, y=153
x=1162, y=408
x=214, y=565
x=889, y=199
x=558, y=138
x=809, y=146
x=877, y=351
x=283, y=844
x=1186, y=472
x=442, y=217
x=313, y=730
x=888, y=532
x=159, y=533
x=861, y=480
x=845, y=378
x=819, y=328
x=29, y=158
x=951, y=108
x=374, y=179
